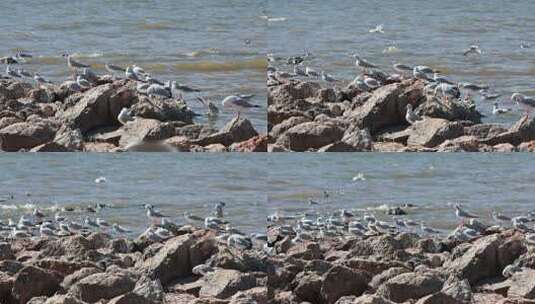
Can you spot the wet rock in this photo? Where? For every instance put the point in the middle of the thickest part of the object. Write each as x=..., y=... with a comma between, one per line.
x=142, y=129
x=254, y=144
x=409, y=286
x=342, y=281
x=172, y=261
x=223, y=283
x=33, y=282
x=25, y=135
x=523, y=284
x=237, y=130
x=431, y=132
x=339, y=146
x=102, y=286
x=310, y=135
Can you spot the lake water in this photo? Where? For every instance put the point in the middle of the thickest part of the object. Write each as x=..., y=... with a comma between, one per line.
x=215, y=45
x=433, y=33
x=256, y=185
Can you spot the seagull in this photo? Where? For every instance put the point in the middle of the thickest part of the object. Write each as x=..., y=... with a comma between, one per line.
x=100, y=180
x=138, y=70
x=326, y=77
x=497, y=110
x=311, y=72
x=182, y=87
x=462, y=213
x=114, y=68
x=441, y=79
x=213, y=110
x=424, y=69
x=428, y=230
x=371, y=83
x=129, y=74
x=159, y=91
x=46, y=231
x=11, y=72
x=419, y=74
x=73, y=64
x=24, y=73
x=237, y=102
x=151, y=213
x=299, y=71
x=239, y=241
x=472, y=87
x=83, y=82
x=498, y=217
x=361, y=63
x=219, y=209
x=58, y=217
x=40, y=79
x=525, y=45
x=473, y=49
x=124, y=116
x=102, y=223
x=530, y=238
x=89, y=222
x=163, y=233
x=402, y=68
x=411, y=116
x=523, y=99
x=119, y=229
x=37, y=213
x=377, y=29
x=192, y=218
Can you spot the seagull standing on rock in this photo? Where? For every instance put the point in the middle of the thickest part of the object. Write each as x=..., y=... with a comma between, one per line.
x=362, y=63
x=463, y=214
x=73, y=64
x=410, y=116
x=124, y=116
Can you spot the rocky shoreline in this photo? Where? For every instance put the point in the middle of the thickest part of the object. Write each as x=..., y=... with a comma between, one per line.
x=66, y=117
x=196, y=265
x=306, y=116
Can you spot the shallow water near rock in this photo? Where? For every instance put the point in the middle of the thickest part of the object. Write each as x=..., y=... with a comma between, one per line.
x=433, y=33
x=202, y=44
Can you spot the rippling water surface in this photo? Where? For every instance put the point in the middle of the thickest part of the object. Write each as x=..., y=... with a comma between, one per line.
x=217, y=46
x=433, y=33
x=255, y=185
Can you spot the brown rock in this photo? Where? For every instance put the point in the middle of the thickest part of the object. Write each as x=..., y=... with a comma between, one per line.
x=33, y=282
x=102, y=286
x=25, y=135
x=171, y=261
x=237, y=130
x=310, y=135
x=224, y=283
x=142, y=129
x=431, y=132
x=254, y=144
x=523, y=284
x=130, y=298
x=282, y=127
x=364, y=299
x=409, y=286
x=527, y=146
x=308, y=288
x=341, y=281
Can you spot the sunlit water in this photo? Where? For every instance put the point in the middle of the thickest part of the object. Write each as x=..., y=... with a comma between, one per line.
x=217, y=46
x=433, y=33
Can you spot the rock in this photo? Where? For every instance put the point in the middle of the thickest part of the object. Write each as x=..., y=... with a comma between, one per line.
x=308, y=288
x=11, y=90
x=359, y=140
x=76, y=276
x=387, y=275
x=460, y=144
x=171, y=262
x=50, y=147
x=130, y=298
x=32, y=282
x=481, y=131
x=42, y=95
x=438, y=298
x=387, y=106
x=98, y=107
x=142, y=129
x=102, y=286
x=365, y=299
x=25, y=135
x=254, y=295
x=71, y=139
x=62, y=299
x=523, y=284
x=7, y=121
x=305, y=251
x=342, y=281
x=237, y=130
x=223, y=283
x=431, y=132
x=162, y=110
x=527, y=146
x=150, y=289
x=5, y=252
x=459, y=290
x=451, y=109
x=254, y=144
x=282, y=127
x=310, y=135
x=505, y=147
x=409, y=286
x=339, y=146
x=522, y=131
x=6, y=286
x=292, y=91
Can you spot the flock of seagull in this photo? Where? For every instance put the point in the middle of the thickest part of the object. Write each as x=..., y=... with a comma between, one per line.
x=344, y=223
x=373, y=77
x=57, y=224
x=84, y=78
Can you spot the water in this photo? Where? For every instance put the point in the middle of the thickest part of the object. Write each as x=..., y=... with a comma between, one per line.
x=432, y=182
x=200, y=43
x=256, y=185
x=173, y=184
x=433, y=33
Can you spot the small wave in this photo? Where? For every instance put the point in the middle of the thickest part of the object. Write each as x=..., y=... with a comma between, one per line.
x=210, y=66
x=157, y=26
x=17, y=207
x=273, y=19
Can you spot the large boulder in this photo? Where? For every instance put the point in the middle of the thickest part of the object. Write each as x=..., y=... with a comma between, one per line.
x=310, y=135
x=26, y=135
x=163, y=110
x=141, y=130
x=10, y=90
x=308, y=288
x=224, y=283
x=431, y=132
x=32, y=282
x=522, y=284
x=171, y=262
x=99, y=107
x=237, y=130
x=409, y=286
x=522, y=131
x=387, y=106
x=102, y=286
x=342, y=281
